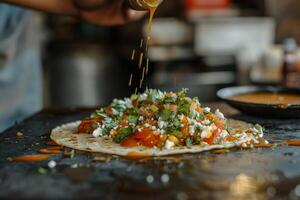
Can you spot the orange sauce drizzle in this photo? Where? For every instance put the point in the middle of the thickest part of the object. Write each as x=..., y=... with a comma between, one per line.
x=30, y=158
x=137, y=155
x=294, y=143
x=50, y=151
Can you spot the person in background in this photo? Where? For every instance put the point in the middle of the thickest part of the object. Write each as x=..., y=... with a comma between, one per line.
x=20, y=60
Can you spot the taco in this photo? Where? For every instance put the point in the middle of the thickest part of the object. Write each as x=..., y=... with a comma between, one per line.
x=157, y=123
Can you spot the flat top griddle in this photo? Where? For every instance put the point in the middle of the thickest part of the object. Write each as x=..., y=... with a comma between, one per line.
x=238, y=174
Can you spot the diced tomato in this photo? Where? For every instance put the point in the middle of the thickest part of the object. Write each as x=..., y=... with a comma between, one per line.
x=185, y=130
x=150, y=122
x=147, y=138
x=129, y=142
x=109, y=111
x=160, y=106
x=173, y=107
x=171, y=94
x=135, y=103
x=146, y=113
x=86, y=126
x=198, y=109
x=212, y=139
x=194, y=105
x=123, y=123
x=230, y=139
x=142, y=134
x=220, y=123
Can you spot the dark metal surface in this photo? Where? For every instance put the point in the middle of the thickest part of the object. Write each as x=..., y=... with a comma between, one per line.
x=261, y=110
x=239, y=174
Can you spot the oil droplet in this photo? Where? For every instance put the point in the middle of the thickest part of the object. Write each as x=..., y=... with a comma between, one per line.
x=133, y=54
x=147, y=66
x=135, y=92
x=141, y=44
x=141, y=60
x=130, y=80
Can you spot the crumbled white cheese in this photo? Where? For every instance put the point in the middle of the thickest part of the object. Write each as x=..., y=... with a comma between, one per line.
x=115, y=112
x=224, y=133
x=128, y=103
x=146, y=125
x=162, y=124
x=192, y=130
x=219, y=114
x=206, y=109
x=141, y=118
x=206, y=122
x=98, y=132
x=205, y=132
x=169, y=144
x=143, y=97
x=161, y=131
x=181, y=117
x=153, y=128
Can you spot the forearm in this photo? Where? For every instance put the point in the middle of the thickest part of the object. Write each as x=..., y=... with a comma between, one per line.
x=64, y=7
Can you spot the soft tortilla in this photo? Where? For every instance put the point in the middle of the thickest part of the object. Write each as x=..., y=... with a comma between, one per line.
x=65, y=135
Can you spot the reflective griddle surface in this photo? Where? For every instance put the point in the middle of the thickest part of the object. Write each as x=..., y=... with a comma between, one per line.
x=269, y=173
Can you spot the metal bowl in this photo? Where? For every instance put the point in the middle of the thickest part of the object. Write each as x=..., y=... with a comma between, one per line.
x=261, y=110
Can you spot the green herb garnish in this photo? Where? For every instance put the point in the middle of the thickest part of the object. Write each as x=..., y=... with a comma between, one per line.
x=177, y=134
x=123, y=133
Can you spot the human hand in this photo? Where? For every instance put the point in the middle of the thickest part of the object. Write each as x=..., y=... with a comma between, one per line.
x=106, y=12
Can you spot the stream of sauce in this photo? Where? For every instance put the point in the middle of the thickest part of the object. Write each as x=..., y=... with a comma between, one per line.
x=142, y=53
x=268, y=98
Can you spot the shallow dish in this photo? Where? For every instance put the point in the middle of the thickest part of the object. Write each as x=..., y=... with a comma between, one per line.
x=285, y=110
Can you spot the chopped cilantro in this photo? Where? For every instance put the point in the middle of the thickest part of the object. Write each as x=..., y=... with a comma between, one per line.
x=134, y=97
x=165, y=114
x=175, y=123
x=184, y=109
x=170, y=100
x=153, y=108
x=189, y=141
x=123, y=133
x=177, y=134
x=133, y=119
x=95, y=125
x=182, y=93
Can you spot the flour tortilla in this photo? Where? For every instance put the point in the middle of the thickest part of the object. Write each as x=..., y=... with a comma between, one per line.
x=66, y=135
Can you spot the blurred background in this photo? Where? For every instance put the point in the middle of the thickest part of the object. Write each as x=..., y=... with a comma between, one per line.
x=203, y=45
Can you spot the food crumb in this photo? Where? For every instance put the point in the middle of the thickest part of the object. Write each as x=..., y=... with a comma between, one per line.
x=42, y=171
x=19, y=134
x=51, y=164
